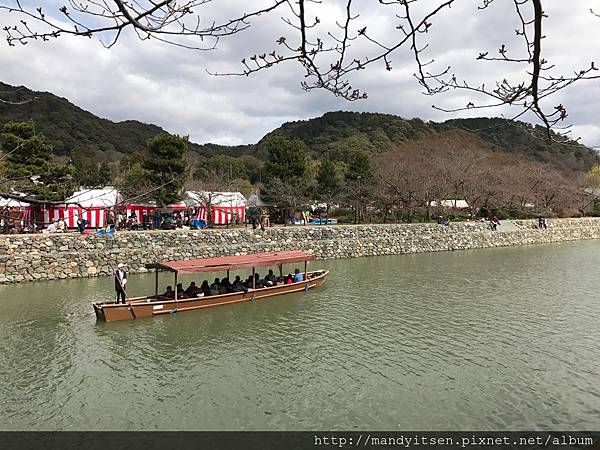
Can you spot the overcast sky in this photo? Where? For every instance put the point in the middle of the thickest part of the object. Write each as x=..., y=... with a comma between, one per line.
x=169, y=86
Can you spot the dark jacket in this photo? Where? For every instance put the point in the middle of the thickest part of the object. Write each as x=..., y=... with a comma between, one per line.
x=118, y=286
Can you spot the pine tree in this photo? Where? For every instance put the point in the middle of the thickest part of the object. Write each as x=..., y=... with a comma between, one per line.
x=167, y=167
x=286, y=159
x=29, y=167
x=329, y=183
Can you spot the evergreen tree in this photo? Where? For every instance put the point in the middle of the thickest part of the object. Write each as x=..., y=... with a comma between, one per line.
x=286, y=158
x=359, y=167
x=359, y=179
x=328, y=178
x=29, y=167
x=136, y=184
x=288, y=180
x=329, y=183
x=106, y=174
x=166, y=166
x=90, y=174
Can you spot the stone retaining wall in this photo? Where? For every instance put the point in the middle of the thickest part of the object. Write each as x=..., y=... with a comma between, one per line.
x=49, y=257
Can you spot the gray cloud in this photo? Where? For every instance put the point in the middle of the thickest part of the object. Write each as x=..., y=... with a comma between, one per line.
x=169, y=86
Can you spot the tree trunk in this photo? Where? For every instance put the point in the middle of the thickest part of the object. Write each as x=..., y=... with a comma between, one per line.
x=38, y=217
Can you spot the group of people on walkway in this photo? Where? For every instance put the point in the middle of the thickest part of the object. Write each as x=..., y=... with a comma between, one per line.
x=153, y=221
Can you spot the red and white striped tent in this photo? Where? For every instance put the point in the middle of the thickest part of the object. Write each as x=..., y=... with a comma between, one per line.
x=225, y=207
x=16, y=209
x=139, y=209
x=89, y=204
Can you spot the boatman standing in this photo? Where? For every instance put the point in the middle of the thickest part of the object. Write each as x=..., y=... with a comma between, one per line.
x=120, y=282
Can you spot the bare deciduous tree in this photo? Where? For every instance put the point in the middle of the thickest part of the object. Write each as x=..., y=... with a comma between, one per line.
x=207, y=190
x=419, y=174
x=289, y=195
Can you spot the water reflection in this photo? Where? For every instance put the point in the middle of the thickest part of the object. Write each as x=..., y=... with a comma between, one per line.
x=487, y=339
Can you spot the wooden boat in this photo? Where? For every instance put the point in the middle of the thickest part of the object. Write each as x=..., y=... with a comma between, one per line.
x=153, y=305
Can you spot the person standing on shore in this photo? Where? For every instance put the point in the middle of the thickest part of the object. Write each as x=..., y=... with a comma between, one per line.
x=494, y=222
x=81, y=223
x=120, y=282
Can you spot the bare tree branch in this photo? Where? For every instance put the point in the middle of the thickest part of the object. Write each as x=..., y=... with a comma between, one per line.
x=330, y=57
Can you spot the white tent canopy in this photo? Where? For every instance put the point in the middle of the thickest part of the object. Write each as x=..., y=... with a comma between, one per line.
x=90, y=198
x=457, y=203
x=10, y=203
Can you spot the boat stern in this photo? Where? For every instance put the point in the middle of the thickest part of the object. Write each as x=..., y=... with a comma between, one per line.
x=111, y=312
x=100, y=317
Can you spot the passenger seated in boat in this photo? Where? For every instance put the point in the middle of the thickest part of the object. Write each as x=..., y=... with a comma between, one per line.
x=258, y=282
x=229, y=286
x=238, y=285
x=169, y=293
x=298, y=276
x=225, y=287
x=289, y=279
x=270, y=279
x=180, y=291
x=192, y=290
x=214, y=288
x=249, y=282
x=205, y=288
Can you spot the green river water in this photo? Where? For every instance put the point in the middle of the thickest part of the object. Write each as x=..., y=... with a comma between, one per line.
x=504, y=338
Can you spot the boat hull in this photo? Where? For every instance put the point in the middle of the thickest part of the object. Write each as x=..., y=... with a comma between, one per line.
x=148, y=306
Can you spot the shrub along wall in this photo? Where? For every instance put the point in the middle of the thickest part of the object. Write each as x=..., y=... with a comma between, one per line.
x=50, y=257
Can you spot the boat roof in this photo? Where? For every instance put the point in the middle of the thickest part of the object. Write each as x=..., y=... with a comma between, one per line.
x=233, y=262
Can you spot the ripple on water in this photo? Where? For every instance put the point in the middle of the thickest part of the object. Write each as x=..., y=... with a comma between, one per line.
x=489, y=339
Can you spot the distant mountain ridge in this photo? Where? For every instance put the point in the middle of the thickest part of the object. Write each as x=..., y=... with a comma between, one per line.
x=68, y=127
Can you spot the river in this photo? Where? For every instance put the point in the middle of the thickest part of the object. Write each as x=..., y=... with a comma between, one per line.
x=505, y=338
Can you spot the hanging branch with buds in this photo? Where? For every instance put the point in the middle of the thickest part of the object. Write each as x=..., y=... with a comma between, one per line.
x=330, y=56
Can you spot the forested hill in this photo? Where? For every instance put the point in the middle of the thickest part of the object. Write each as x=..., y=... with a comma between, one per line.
x=70, y=128
x=515, y=136
x=340, y=131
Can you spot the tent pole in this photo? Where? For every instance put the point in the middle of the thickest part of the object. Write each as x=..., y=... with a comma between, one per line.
x=253, y=278
x=156, y=283
x=305, y=270
x=175, y=286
